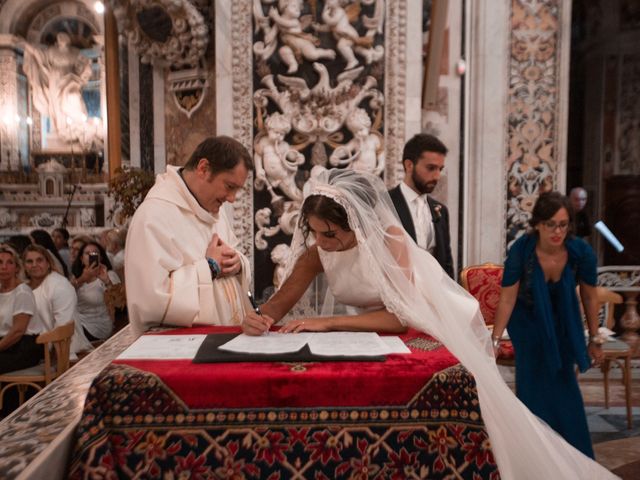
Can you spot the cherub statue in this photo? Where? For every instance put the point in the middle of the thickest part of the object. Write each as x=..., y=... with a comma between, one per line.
x=276, y=162
x=337, y=20
x=364, y=151
x=297, y=43
x=279, y=257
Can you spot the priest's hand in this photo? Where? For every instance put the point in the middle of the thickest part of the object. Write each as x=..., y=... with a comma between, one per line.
x=255, y=324
x=231, y=263
x=215, y=249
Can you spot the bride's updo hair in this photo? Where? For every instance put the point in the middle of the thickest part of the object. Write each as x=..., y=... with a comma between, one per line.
x=350, y=186
x=325, y=208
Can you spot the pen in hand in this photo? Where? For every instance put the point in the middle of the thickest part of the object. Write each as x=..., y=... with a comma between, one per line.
x=256, y=308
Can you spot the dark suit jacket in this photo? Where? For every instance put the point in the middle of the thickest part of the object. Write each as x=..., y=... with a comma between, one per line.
x=442, y=251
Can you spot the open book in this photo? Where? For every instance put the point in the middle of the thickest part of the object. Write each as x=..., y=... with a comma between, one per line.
x=326, y=344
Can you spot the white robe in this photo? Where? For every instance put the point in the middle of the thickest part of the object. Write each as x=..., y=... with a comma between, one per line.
x=168, y=279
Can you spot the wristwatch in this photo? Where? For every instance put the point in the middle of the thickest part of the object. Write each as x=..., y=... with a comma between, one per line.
x=214, y=267
x=597, y=339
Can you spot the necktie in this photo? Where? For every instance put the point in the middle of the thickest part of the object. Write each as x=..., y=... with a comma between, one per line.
x=421, y=223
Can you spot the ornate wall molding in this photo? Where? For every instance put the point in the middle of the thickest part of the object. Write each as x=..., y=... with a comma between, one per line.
x=163, y=32
x=619, y=277
x=53, y=12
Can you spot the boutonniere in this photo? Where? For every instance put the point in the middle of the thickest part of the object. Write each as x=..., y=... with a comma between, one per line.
x=436, y=213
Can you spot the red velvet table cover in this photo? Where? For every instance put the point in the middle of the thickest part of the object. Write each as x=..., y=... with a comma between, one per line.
x=411, y=416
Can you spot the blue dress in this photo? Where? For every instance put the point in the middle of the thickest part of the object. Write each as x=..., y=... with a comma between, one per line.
x=548, y=336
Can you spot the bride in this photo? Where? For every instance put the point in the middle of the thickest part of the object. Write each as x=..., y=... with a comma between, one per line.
x=373, y=265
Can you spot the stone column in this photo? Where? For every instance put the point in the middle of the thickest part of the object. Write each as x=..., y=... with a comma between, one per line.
x=8, y=109
x=113, y=92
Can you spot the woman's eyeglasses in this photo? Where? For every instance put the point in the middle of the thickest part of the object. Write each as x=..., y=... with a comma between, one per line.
x=552, y=225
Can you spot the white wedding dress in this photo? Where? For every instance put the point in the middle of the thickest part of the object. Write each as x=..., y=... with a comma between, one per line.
x=388, y=268
x=348, y=281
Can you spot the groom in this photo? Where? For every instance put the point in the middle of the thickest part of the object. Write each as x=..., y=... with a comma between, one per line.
x=425, y=219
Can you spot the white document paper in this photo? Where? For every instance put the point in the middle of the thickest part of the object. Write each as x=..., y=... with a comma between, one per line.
x=395, y=345
x=270, y=342
x=163, y=347
x=320, y=343
x=347, y=344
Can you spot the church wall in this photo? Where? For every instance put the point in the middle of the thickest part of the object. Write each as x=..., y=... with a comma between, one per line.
x=517, y=115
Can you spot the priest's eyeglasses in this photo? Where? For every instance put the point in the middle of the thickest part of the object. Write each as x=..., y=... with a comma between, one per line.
x=553, y=226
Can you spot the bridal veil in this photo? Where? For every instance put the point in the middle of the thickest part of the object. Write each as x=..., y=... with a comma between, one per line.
x=413, y=286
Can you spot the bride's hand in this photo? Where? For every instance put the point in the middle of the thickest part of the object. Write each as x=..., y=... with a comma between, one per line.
x=255, y=324
x=305, y=325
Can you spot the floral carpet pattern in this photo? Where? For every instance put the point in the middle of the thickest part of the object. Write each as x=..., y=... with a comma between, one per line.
x=133, y=426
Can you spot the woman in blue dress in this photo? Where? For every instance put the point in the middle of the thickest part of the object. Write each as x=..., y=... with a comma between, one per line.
x=539, y=306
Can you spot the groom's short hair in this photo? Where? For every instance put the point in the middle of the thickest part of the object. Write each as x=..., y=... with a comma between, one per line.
x=420, y=143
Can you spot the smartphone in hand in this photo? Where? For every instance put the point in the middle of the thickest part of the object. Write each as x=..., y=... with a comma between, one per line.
x=94, y=258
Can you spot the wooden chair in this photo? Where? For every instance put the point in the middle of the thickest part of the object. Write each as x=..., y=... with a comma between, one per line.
x=115, y=298
x=43, y=374
x=615, y=351
x=484, y=283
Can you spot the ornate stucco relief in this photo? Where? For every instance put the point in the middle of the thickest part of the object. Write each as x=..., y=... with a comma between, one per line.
x=532, y=110
x=309, y=88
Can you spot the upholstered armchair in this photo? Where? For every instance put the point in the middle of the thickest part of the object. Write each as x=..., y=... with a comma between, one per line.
x=484, y=283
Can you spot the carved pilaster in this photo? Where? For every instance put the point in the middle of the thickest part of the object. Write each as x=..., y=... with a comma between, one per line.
x=395, y=89
x=8, y=110
x=534, y=107
x=242, y=108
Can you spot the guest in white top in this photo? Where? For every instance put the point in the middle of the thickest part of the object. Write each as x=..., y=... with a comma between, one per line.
x=93, y=274
x=115, y=250
x=42, y=237
x=56, y=298
x=18, y=328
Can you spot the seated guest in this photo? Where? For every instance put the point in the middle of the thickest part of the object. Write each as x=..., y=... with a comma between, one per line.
x=76, y=245
x=42, y=238
x=182, y=263
x=92, y=275
x=55, y=296
x=18, y=328
x=60, y=238
x=115, y=250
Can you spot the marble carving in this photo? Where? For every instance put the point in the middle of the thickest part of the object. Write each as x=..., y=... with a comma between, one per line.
x=56, y=76
x=318, y=103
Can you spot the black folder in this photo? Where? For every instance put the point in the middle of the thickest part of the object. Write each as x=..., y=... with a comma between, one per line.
x=210, y=353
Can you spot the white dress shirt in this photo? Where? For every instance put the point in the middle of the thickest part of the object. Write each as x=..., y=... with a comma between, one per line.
x=421, y=216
